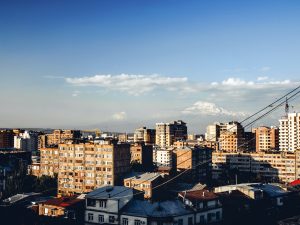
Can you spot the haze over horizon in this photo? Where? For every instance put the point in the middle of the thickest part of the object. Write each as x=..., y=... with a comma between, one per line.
x=117, y=65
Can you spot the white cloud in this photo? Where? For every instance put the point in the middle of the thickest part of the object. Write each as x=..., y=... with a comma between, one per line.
x=208, y=108
x=133, y=84
x=265, y=69
x=119, y=116
x=262, y=78
x=260, y=83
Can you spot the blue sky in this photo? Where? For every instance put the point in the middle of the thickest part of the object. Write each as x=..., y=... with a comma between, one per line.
x=201, y=61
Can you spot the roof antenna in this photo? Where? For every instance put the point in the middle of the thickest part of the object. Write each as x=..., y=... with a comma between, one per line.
x=287, y=107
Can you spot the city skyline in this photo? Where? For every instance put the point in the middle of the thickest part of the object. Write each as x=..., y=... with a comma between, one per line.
x=119, y=66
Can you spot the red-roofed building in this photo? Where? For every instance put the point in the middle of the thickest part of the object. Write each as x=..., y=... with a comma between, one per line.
x=206, y=204
x=68, y=207
x=295, y=183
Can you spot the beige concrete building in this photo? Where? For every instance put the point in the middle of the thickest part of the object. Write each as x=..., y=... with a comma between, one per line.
x=49, y=161
x=231, y=142
x=142, y=154
x=282, y=166
x=60, y=136
x=168, y=133
x=144, y=182
x=84, y=167
x=144, y=134
x=194, y=158
x=266, y=138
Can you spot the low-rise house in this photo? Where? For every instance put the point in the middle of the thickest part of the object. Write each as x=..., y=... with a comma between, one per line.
x=144, y=182
x=103, y=205
x=68, y=207
x=205, y=204
x=118, y=205
x=139, y=212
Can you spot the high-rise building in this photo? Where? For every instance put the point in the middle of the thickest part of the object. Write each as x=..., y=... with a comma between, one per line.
x=84, y=167
x=27, y=141
x=194, y=158
x=142, y=154
x=266, y=138
x=289, y=132
x=6, y=139
x=49, y=161
x=60, y=136
x=231, y=137
x=168, y=133
x=212, y=132
x=144, y=134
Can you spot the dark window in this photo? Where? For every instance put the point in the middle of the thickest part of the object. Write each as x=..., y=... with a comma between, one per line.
x=180, y=222
x=137, y=222
x=190, y=221
x=90, y=217
x=124, y=221
x=101, y=219
x=111, y=219
x=91, y=202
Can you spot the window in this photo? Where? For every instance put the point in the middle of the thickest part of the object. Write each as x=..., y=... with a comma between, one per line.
x=90, y=216
x=202, y=220
x=91, y=202
x=137, y=222
x=218, y=215
x=190, y=221
x=180, y=222
x=124, y=221
x=101, y=219
x=102, y=203
x=111, y=219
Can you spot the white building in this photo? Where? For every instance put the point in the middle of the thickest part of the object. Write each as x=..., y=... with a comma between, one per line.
x=117, y=205
x=163, y=157
x=27, y=141
x=289, y=132
x=104, y=205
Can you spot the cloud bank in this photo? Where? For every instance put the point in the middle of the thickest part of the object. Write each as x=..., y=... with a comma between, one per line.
x=132, y=84
x=208, y=108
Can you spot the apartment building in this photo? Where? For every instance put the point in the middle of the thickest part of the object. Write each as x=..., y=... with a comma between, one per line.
x=194, y=158
x=49, y=161
x=144, y=182
x=289, y=132
x=84, y=167
x=266, y=138
x=142, y=154
x=231, y=142
x=163, y=157
x=6, y=139
x=276, y=166
x=212, y=132
x=27, y=141
x=60, y=136
x=168, y=133
x=144, y=134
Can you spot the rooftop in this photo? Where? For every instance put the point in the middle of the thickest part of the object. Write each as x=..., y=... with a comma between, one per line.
x=143, y=176
x=202, y=195
x=63, y=201
x=156, y=209
x=115, y=192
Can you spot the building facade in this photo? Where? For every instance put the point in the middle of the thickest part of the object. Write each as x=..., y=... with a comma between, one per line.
x=289, y=132
x=276, y=166
x=60, y=136
x=168, y=133
x=266, y=138
x=144, y=134
x=84, y=167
